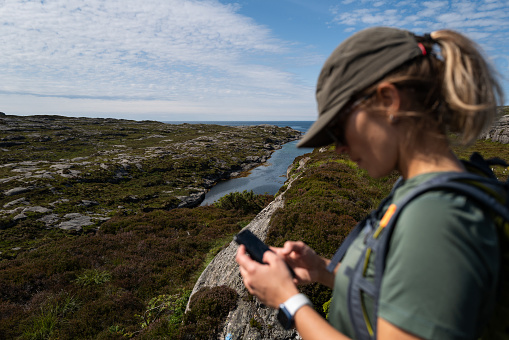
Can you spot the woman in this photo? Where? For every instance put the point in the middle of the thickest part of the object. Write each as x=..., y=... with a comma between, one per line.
x=388, y=100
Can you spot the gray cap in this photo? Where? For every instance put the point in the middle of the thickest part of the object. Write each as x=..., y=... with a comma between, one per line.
x=355, y=64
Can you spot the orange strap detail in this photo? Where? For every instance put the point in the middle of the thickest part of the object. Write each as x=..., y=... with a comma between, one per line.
x=387, y=216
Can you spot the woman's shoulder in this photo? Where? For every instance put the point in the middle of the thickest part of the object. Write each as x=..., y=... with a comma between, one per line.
x=443, y=213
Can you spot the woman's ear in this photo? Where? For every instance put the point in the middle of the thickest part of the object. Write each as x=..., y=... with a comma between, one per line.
x=389, y=97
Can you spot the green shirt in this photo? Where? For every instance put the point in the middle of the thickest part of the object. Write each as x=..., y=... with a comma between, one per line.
x=442, y=268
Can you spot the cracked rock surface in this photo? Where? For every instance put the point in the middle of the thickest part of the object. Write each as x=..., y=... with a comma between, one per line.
x=73, y=173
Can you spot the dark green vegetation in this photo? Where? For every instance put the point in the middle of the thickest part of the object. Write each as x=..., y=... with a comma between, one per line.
x=132, y=277
x=74, y=173
x=209, y=307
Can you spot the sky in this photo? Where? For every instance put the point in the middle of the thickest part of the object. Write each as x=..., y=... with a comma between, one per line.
x=204, y=60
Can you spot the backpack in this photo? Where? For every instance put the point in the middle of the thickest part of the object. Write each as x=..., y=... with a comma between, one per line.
x=477, y=184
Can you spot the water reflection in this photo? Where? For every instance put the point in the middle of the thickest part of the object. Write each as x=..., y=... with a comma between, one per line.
x=267, y=178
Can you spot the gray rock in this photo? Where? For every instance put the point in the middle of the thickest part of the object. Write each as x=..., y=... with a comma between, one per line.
x=32, y=163
x=499, y=132
x=8, y=179
x=88, y=203
x=13, y=211
x=21, y=200
x=63, y=200
x=193, y=200
x=25, y=170
x=76, y=222
x=256, y=159
x=79, y=159
x=61, y=166
x=17, y=191
x=50, y=220
x=19, y=217
x=43, y=175
x=223, y=270
x=37, y=209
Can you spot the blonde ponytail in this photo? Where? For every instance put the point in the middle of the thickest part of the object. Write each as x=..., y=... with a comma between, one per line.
x=469, y=88
x=448, y=89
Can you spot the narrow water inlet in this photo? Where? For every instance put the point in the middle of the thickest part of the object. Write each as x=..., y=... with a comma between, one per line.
x=264, y=179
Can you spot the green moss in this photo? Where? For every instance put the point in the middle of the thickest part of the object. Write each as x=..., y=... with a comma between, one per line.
x=255, y=324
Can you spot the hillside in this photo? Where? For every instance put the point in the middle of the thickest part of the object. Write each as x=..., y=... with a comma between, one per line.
x=60, y=173
x=325, y=196
x=131, y=276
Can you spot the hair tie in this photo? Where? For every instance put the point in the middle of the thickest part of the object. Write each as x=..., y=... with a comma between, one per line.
x=427, y=38
x=423, y=49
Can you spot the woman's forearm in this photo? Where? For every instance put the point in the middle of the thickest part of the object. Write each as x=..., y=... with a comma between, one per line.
x=312, y=326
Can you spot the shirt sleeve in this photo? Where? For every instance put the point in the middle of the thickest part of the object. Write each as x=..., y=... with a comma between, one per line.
x=441, y=270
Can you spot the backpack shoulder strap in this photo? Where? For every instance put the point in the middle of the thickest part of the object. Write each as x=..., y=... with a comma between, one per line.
x=378, y=244
x=454, y=182
x=340, y=253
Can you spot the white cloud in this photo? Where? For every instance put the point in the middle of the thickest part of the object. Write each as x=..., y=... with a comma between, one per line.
x=484, y=21
x=489, y=17
x=162, y=51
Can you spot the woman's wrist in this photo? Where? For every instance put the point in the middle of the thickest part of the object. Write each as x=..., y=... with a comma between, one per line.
x=324, y=276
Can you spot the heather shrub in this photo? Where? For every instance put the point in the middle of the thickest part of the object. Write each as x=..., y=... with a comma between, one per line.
x=324, y=204
x=246, y=201
x=209, y=308
x=130, y=278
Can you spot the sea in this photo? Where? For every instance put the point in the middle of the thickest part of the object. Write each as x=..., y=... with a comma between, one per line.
x=264, y=179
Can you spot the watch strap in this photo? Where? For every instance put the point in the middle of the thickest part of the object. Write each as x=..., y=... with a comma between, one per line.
x=293, y=304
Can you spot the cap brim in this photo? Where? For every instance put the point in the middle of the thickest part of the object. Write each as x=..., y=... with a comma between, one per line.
x=316, y=135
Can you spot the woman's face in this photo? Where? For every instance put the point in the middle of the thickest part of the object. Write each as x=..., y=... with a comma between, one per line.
x=372, y=142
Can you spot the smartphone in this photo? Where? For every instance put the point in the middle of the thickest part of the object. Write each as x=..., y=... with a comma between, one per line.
x=254, y=246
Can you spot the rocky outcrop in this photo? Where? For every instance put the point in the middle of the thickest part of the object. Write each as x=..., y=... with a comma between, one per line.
x=499, y=132
x=52, y=161
x=251, y=319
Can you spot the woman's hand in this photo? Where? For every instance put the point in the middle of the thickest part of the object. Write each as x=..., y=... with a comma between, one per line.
x=271, y=282
x=307, y=265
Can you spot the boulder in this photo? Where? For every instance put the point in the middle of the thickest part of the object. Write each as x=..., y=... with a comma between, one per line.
x=37, y=209
x=49, y=220
x=21, y=200
x=251, y=319
x=75, y=222
x=499, y=132
x=193, y=200
x=17, y=191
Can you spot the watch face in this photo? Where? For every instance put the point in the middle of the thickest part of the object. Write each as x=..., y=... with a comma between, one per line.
x=284, y=318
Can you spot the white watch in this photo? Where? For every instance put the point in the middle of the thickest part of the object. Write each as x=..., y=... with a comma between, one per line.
x=288, y=309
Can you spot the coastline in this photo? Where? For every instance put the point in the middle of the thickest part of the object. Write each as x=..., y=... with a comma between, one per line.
x=75, y=173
